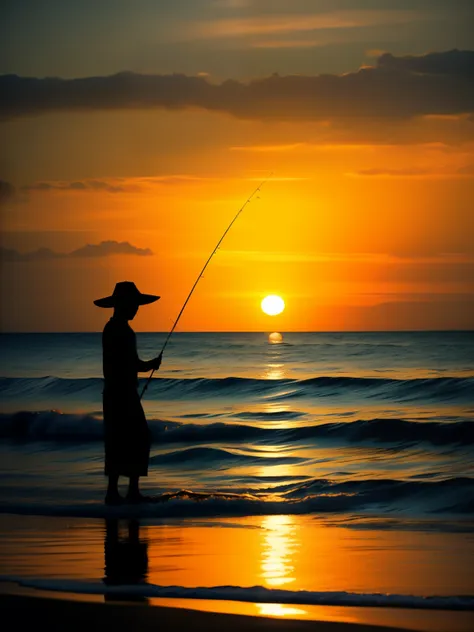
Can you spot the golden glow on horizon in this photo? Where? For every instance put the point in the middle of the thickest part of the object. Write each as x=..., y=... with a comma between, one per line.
x=340, y=261
x=273, y=305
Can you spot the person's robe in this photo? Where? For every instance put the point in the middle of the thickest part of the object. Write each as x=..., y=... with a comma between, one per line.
x=126, y=433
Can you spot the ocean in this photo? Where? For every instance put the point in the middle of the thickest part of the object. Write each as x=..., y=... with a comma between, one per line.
x=372, y=432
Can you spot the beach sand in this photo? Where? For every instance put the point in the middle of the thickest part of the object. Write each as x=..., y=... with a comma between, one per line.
x=60, y=614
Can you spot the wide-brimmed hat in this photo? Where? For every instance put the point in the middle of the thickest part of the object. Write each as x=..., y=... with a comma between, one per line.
x=126, y=292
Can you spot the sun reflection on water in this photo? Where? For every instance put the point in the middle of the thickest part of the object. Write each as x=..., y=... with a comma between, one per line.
x=274, y=371
x=278, y=548
x=279, y=610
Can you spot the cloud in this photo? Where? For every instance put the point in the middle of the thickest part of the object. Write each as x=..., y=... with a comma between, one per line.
x=112, y=185
x=323, y=146
x=265, y=148
x=7, y=192
x=415, y=257
x=454, y=63
x=291, y=43
x=104, y=249
x=395, y=87
x=297, y=23
x=107, y=248
x=415, y=172
x=375, y=52
x=9, y=255
x=419, y=297
x=86, y=185
x=232, y=4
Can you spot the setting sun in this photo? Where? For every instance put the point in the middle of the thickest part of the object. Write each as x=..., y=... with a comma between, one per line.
x=273, y=305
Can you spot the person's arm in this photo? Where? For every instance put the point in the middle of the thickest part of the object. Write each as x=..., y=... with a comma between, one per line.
x=144, y=366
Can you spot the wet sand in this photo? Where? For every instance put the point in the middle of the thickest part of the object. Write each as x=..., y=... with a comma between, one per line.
x=59, y=614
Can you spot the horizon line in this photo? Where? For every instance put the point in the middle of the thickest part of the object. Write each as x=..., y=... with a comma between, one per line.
x=261, y=331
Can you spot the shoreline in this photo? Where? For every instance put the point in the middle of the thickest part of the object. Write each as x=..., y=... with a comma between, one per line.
x=281, y=552
x=125, y=613
x=56, y=614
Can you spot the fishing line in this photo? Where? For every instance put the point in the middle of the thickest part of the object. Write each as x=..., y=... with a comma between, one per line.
x=201, y=273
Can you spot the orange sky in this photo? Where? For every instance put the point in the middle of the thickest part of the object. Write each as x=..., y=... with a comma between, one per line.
x=366, y=224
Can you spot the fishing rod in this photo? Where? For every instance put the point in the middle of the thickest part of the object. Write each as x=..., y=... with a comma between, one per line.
x=200, y=276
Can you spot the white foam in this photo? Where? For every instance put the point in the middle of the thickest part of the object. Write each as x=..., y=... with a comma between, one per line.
x=253, y=594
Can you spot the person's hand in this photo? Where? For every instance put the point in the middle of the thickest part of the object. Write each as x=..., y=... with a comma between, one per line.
x=156, y=362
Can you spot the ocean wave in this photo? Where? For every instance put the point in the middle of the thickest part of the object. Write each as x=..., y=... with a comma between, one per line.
x=439, y=389
x=368, y=497
x=215, y=456
x=253, y=594
x=377, y=490
x=56, y=426
x=272, y=415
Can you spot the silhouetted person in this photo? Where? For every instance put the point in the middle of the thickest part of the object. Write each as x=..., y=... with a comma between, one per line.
x=126, y=433
x=126, y=559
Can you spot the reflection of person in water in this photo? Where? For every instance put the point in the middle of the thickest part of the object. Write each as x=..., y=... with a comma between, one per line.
x=126, y=559
x=127, y=437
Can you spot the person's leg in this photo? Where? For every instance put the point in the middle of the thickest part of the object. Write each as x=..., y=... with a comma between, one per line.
x=112, y=497
x=134, y=495
x=133, y=488
x=138, y=452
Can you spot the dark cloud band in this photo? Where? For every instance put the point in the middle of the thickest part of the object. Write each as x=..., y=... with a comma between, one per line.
x=104, y=249
x=78, y=185
x=436, y=83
